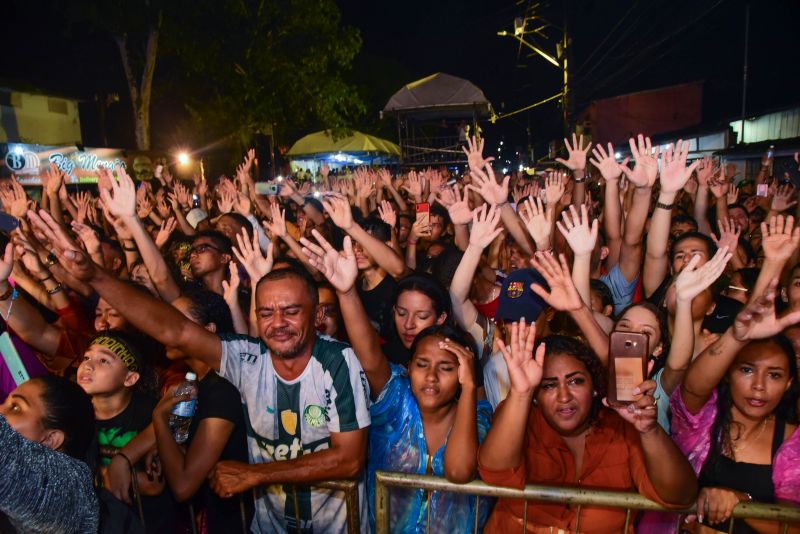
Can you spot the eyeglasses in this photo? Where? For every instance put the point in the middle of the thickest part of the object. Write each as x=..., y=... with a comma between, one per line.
x=202, y=247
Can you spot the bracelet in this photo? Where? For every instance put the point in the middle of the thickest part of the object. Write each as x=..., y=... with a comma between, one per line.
x=130, y=249
x=665, y=206
x=579, y=180
x=14, y=295
x=55, y=290
x=46, y=278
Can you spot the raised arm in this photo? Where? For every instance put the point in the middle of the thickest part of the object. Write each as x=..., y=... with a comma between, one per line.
x=484, y=231
x=563, y=296
x=576, y=162
x=121, y=203
x=502, y=448
x=779, y=241
x=538, y=220
x=674, y=175
x=457, y=204
x=756, y=321
x=461, y=450
x=146, y=313
x=339, y=210
x=705, y=175
x=607, y=164
x=690, y=282
x=581, y=238
x=341, y=271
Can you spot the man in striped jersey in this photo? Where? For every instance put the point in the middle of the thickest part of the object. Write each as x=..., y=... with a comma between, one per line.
x=306, y=397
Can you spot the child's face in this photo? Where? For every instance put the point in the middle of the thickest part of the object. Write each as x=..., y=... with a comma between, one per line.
x=102, y=373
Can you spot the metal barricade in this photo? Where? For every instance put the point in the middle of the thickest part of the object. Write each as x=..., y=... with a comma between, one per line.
x=564, y=495
x=350, y=489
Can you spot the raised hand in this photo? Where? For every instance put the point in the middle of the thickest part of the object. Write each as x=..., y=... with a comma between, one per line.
x=484, y=226
x=485, y=184
x=728, y=235
x=69, y=253
x=577, y=154
x=524, y=371
x=784, y=198
x=387, y=213
x=277, y=223
x=84, y=203
x=339, y=268
x=87, y=236
x=733, y=195
x=414, y=185
x=646, y=158
x=553, y=188
x=385, y=178
x=475, y=153
x=458, y=209
x=758, y=321
x=123, y=202
x=419, y=229
x=562, y=295
x=15, y=201
x=538, y=220
x=606, y=162
x=779, y=238
x=693, y=280
x=243, y=205
x=706, y=171
x=674, y=173
x=230, y=287
x=182, y=195
x=227, y=199
x=167, y=227
x=719, y=186
x=53, y=180
x=577, y=231
x=248, y=254
x=338, y=209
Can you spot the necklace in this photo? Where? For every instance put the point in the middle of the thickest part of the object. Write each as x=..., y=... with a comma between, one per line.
x=737, y=448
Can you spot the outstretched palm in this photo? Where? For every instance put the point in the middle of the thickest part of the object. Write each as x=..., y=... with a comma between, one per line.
x=646, y=169
x=693, y=280
x=340, y=269
x=249, y=255
x=563, y=295
x=758, y=320
x=524, y=371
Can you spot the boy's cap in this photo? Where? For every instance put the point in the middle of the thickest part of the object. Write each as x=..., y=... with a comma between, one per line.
x=517, y=299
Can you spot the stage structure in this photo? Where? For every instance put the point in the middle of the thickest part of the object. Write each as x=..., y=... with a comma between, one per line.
x=434, y=117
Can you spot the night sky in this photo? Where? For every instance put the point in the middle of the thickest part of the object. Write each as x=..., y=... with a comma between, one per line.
x=618, y=47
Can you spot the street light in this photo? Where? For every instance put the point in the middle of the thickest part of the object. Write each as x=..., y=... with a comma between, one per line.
x=183, y=158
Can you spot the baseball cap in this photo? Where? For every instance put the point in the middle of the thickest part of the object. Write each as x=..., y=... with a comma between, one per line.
x=517, y=299
x=195, y=216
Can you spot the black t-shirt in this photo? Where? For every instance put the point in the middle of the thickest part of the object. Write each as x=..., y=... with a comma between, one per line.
x=378, y=304
x=724, y=314
x=161, y=512
x=218, y=398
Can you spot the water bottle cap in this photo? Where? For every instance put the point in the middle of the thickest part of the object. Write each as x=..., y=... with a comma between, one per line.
x=191, y=376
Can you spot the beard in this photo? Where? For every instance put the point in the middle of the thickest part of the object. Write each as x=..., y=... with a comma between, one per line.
x=286, y=351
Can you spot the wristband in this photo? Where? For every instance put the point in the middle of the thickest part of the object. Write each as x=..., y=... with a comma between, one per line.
x=665, y=206
x=130, y=249
x=580, y=180
x=56, y=289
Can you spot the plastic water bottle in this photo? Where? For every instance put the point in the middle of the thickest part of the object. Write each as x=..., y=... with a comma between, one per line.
x=182, y=413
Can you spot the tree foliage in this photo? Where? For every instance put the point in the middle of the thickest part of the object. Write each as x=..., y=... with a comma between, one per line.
x=254, y=63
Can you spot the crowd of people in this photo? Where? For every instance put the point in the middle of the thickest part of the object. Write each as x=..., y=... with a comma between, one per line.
x=416, y=322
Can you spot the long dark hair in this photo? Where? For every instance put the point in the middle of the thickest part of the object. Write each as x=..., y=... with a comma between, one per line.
x=431, y=288
x=786, y=410
x=69, y=409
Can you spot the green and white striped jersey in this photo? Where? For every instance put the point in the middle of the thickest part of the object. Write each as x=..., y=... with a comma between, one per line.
x=287, y=419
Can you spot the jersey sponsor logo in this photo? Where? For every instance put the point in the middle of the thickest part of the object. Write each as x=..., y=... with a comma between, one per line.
x=289, y=421
x=283, y=451
x=315, y=415
x=248, y=358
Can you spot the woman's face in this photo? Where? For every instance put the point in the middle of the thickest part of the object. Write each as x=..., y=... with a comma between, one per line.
x=640, y=320
x=758, y=379
x=107, y=318
x=102, y=372
x=433, y=373
x=413, y=313
x=565, y=394
x=24, y=410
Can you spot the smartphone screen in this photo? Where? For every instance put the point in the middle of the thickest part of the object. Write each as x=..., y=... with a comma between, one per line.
x=628, y=353
x=266, y=188
x=424, y=214
x=762, y=190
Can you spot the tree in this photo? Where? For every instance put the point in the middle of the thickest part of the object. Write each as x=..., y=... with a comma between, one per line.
x=251, y=64
x=135, y=28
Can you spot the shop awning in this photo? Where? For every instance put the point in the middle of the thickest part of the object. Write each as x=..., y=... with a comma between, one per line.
x=324, y=143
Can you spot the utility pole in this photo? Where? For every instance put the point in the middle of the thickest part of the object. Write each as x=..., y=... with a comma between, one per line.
x=533, y=24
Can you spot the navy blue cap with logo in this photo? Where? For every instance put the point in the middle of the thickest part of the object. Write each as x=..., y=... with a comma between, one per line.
x=517, y=299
